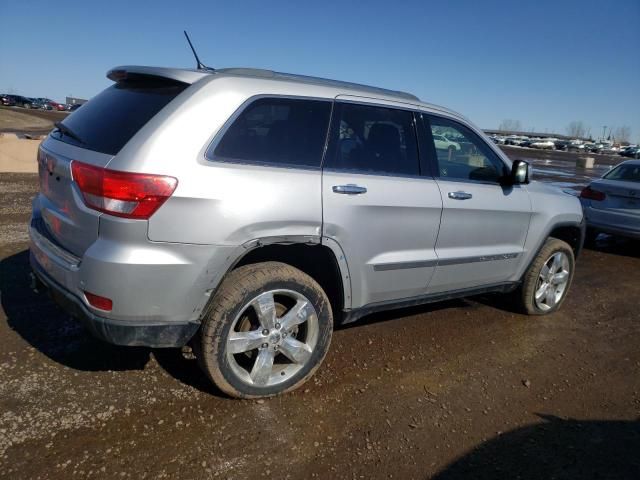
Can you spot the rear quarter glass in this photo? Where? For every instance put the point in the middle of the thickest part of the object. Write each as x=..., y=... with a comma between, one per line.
x=111, y=118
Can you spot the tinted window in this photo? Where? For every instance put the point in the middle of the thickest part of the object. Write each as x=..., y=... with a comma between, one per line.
x=278, y=130
x=373, y=140
x=109, y=120
x=461, y=154
x=627, y=173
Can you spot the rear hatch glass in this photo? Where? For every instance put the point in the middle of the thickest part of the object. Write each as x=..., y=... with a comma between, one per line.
x=109, y=120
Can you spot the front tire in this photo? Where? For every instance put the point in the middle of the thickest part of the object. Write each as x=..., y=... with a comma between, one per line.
x=548, y=278
x=267, y=332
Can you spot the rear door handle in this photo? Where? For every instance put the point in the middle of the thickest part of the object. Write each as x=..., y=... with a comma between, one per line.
x=460, y=195
x=349, y=189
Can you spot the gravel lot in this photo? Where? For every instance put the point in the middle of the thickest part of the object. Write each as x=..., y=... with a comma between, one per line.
x=461, y=389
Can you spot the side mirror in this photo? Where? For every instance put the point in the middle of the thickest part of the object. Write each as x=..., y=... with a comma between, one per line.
x=520, y=172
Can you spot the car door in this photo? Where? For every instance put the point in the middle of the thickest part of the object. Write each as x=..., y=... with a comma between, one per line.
x=484, y=222
x=376, y=205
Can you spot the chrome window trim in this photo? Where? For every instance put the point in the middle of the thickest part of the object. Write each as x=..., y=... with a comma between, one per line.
x=377, y=174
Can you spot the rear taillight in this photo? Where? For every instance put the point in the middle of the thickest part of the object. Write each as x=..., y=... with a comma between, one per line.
x=96, y=301
x=123, y=194
x=591, y=194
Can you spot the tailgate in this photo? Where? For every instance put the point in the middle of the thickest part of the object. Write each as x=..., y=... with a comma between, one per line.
x=93, y=134
x=67, y=220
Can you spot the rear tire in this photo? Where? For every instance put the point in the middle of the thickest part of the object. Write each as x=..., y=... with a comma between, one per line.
x=548, y=278
x=267, y=332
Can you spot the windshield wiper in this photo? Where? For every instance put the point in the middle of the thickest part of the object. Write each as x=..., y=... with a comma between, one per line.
x=68, y=132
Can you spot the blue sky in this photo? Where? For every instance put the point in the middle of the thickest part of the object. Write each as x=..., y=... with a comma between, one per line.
x=544, y=63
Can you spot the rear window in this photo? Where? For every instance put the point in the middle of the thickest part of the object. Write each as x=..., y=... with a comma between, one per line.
x=627, y=173
x=109, y=120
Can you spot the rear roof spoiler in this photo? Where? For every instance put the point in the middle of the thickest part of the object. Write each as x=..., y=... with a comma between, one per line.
x=177, y=74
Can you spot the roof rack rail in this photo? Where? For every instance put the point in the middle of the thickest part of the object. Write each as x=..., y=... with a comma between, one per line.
x=256, y=72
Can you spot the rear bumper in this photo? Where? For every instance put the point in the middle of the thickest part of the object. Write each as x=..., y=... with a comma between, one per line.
x=612, y=222
x=615, y=230
x=159, y=290
x=112, y=331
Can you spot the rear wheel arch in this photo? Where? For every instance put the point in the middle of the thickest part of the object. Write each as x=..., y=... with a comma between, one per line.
x=319, y=261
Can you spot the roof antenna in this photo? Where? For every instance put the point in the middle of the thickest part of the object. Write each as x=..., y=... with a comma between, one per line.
x=200, y=65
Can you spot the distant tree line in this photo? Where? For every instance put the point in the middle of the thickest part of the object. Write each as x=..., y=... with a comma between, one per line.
x=576, y=129
x=510, y=125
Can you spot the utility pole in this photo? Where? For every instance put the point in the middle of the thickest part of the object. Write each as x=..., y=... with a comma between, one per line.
x=604, y=129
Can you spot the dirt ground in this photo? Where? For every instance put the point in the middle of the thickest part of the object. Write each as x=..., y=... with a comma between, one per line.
x=461, y=389
x=18, y=155
x=35, y=122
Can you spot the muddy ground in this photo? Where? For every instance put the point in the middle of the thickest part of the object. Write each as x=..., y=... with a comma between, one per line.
x=461, y=389
x=29, y=121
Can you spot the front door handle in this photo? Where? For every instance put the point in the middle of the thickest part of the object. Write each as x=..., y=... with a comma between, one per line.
x=460, y=195
x=349, y=189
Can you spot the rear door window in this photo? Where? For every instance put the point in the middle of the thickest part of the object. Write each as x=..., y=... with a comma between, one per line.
x=371, y=139
x=109, y=120
x=279, y=131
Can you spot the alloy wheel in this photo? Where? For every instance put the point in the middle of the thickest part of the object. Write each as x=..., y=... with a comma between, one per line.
x=272, y=338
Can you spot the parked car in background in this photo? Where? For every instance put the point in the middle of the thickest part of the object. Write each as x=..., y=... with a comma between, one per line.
x=291, y=209
x=43, y=103
x=631, y=152
x=6, y=100
x=515, y=141
x=576, y=147
x=612, y=204
x=57, y=106
x=444, y=143
x=610, y=150
x=542, y=144
x=51, y=104
x=561, y=144
x=20, y=101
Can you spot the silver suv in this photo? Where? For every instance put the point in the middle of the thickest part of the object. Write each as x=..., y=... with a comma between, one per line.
x=245, y=212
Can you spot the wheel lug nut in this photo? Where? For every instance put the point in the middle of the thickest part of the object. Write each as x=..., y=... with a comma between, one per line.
x=277, y=325
x=265, y=345
x=276, y=347
x=265, y=332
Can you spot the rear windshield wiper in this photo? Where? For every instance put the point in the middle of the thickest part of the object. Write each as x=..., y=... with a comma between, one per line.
x=68, y=132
